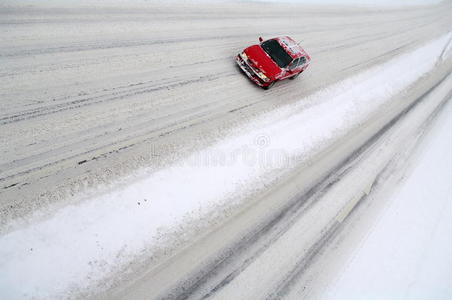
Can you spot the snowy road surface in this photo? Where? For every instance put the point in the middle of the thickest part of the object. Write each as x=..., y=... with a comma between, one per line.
x=400, y=236
x=419, y=248
x=89, y=96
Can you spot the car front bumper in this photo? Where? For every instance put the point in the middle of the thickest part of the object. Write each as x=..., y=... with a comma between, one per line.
x=249, y=72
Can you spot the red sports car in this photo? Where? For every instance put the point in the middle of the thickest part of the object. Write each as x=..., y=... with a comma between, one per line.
x=272, y=60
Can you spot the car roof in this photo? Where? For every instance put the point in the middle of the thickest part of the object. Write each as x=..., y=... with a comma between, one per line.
x=291, y=46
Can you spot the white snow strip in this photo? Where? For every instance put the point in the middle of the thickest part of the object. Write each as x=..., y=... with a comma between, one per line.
x=83, y=243
x=406, y=255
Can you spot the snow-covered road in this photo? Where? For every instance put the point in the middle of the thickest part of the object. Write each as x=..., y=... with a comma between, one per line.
x=278, y=256
x=406, y=253
x=397, y=244
x=90, y=96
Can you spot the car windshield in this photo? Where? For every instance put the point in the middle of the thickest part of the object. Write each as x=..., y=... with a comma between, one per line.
x=277, y=53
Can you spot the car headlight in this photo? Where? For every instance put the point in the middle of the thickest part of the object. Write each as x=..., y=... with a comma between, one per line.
x=262, y=76
x=244, y=56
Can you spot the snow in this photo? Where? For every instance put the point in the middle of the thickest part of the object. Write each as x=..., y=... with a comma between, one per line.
x=110, y=230
x=406, y=255
x=373, y=3
x=120, y=3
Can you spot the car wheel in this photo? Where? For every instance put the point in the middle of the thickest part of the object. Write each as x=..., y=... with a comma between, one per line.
x=295, y=76
x=269, y=86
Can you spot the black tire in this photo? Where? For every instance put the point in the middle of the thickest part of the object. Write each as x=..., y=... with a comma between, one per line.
x=268, y=86
x=295, y=76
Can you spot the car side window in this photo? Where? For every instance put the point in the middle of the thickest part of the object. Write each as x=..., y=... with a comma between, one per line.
x=302, y=61
x=294, y=64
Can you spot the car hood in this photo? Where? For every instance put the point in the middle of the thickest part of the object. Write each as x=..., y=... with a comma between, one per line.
x=262, y=61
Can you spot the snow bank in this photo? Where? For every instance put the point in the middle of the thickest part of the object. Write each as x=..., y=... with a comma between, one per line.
x=81, y=244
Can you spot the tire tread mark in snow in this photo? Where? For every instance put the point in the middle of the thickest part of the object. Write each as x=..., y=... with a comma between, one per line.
x=302, y=265
x=187, y=288
x=99, y=99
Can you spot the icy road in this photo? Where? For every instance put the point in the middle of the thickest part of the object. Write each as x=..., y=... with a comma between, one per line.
x=138, y=162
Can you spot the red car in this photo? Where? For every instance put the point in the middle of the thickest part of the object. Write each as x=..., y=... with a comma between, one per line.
x=272, y=60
